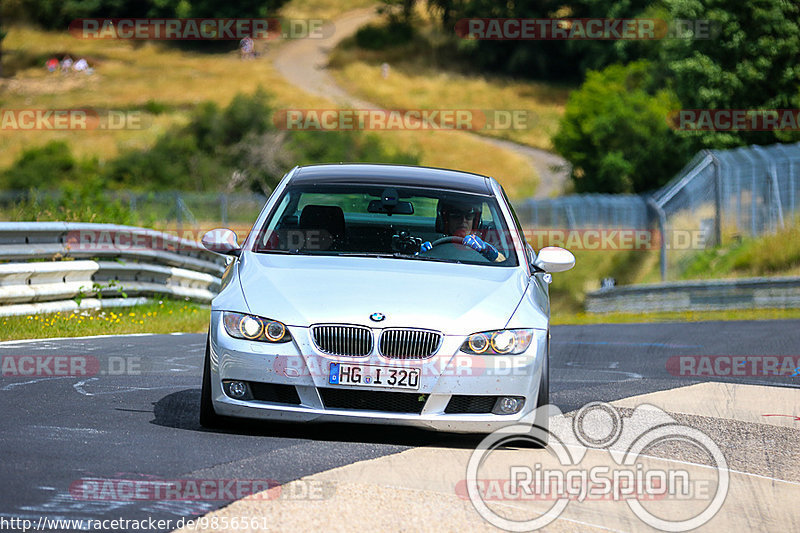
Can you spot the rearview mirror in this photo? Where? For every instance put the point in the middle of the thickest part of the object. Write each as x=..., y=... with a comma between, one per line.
x=222, y=241
x=397, y=208
x=554, y=259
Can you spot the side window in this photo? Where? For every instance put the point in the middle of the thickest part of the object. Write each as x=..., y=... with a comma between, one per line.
x=529, y=257
x=275, y=219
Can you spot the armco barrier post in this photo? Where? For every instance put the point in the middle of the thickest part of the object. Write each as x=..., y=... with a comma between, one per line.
x=717, y=200
x=661, y=217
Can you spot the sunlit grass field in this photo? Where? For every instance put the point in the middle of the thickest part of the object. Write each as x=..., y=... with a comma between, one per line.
x=322, y=9
x=156, y=76
x=411, y=86
x=423, y=75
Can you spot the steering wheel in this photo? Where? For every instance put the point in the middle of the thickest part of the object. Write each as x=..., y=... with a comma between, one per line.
x=445, y=240
x=453, y=240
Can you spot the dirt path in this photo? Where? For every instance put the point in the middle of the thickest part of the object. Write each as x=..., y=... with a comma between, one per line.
x=303, y=63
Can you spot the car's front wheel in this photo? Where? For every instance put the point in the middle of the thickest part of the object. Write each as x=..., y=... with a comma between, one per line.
x=543, y=398
x=208, y=417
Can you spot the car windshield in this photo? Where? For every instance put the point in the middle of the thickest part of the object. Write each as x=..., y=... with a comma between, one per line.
x=394, y=222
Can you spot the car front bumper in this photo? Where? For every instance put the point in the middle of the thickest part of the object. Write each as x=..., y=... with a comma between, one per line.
x=299, y=364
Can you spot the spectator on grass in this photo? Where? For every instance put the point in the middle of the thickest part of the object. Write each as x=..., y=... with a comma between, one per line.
x=66, y=64
x=81, y=66
x=52, y=65
x=247, y=47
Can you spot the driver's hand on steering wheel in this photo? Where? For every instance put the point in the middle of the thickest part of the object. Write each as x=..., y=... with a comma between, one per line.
x=479, y=245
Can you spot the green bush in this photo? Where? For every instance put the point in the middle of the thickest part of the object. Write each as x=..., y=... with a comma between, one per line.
x=380, y=37
x=154, y=107
x=45, y=167
x=238, y=147
x=84, y=203
x=312, y=147
x=201, y=155
x=615, y=133
x=218, y=149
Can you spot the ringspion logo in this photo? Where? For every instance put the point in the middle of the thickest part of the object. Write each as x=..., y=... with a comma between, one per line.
x=572, y=471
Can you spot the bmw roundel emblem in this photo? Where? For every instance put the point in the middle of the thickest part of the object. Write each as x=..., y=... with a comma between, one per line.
x=377, y=317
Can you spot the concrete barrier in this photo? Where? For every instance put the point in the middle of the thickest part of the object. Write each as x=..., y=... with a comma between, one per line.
x=56, y=266
x=702, y=295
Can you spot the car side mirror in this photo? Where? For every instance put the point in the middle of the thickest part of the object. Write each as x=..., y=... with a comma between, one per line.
x=222, y=241
x=554, y=259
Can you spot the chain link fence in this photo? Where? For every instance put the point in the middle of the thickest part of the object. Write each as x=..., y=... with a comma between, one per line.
x=585, y=211
x=720, y=194
x=726, y=194
x=177, y=209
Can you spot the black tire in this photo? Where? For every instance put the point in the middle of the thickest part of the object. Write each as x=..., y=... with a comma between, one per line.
x=208, y=417
x=543, y=398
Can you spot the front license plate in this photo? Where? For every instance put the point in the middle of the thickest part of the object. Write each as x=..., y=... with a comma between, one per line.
x=374, y=376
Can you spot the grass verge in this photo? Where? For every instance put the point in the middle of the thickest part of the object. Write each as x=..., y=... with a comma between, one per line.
x=164, y=316
x=568, y=290
x=171, y=316
x=767, y=255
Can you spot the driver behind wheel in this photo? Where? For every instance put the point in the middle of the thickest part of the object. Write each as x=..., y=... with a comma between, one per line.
x=462, y=219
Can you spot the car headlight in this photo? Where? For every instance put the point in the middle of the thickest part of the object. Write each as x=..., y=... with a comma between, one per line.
x=254, y=328
x=498, y=342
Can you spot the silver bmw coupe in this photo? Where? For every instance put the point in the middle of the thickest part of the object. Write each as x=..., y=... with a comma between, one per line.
x=381, y=294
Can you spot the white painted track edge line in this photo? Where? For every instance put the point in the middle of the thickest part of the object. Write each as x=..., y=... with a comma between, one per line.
x=27, y=341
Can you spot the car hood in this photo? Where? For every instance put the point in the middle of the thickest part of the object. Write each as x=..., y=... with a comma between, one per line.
x=453, y=298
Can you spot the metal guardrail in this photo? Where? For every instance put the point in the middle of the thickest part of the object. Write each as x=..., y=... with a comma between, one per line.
x=58, y=266
x=703, y=295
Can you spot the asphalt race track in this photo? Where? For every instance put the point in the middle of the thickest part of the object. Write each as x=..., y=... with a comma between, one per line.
x=141, y=422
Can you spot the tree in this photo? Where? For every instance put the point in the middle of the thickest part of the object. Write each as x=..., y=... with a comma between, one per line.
x=2, y=36
x=399, y=10
x=57, y=14
x=615, y=134
x=541, y=59
x=751, y=63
